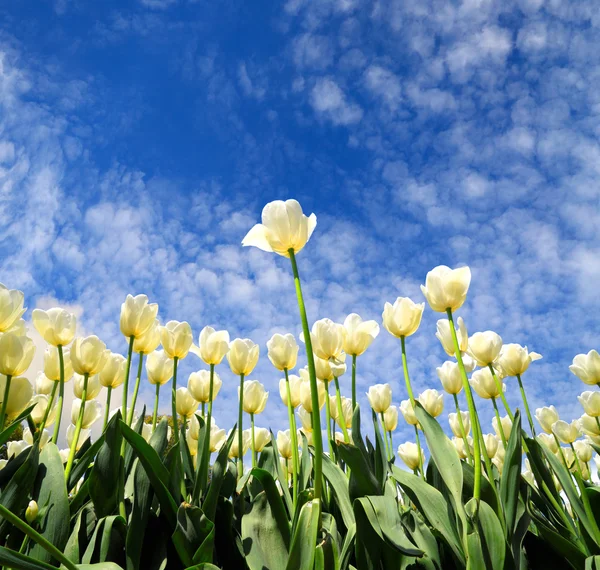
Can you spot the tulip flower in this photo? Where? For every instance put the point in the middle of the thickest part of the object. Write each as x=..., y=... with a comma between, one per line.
x=589, y=426
x=283, y=351
x=16, y=354
x=408, y=413
x=444, y=335
x=305, y=419
x=587, y=367
x=92, y=411
x=546, y=417
x=159, y=369
x=485, y=347
x=112, y=376
x=306, y=392
x=284, y=444
x=446, y=288
x=56, y=326
x=137, y=316
x=583, y=450
x=43, y=414
x=261, y=437
x=566, y=432
x=285, y=230
x=390, y=418
x=294, y=391
x=490, y=442
x=199, y=386
x=31, y=513
x=590, y=402
x=11, y=307
x=44, y=387
x=460, y=424
x=411, y=455
x=82, y=437
x=549, y=441
x=52, y=367
x=403, y=318
x=16, y=447
x=432, y=401
x=217, y=438
x=289, y=391
x=185, y=404
x=345, y=420
x=327, y=339
x=16, y=394
x=212, y=346
x=255, y=397
x=88, y=355
x=149, y=341
x=93, y=386
x=234, y=449
x=502, y=426
x=484, y=385
x=242, y=356
x=43, y=384
x=449, y=375
x=380, y=397
x=177, y=339
x=463, y=446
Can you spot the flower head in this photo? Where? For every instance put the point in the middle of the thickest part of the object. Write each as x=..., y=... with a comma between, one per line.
x=587, y=367
x=403, y=317
x=446, y=288
x=56, y=326
x=255, y=397
x=359, y=334
x=176, y=339
x=380, y=397
x=199, y=385
x=212, y=345
x=137, y=315
x=242, y=356
x=283, y=351
x=515, y=359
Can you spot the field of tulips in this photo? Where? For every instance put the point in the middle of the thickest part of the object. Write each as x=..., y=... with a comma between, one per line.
x=150, y=493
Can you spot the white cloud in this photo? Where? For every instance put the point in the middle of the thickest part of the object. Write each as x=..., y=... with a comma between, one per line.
x=329, y=101
x=384, y=84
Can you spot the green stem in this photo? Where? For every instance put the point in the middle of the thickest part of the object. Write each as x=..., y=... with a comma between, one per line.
x=406, y=375
x=73, y=448
x=36, y=537
x=577, y=464
x=203, y=410
x=316, y=418
x=501, y=392
x=61, y=393
x=472, y=412
x=586, y=500
x=294, y=438
x=126, y=382
x=391, y=445
x=387, y=448
x=531, y=425
x=136, y=389
x=155, y=411
x=206, y=464
x=107, y=411
x=353, y=382
x=342, y=419
x=500, y=428
x=5, y=400
x=463, y=431
x=174, y=402
x=240, y=426
x=253, y=443
x=421, y=462
x=328, y=415
x=48, y=408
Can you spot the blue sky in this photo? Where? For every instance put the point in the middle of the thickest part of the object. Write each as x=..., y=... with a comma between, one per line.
x=139, y=141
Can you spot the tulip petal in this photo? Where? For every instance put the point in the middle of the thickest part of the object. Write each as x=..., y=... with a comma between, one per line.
x=257, y=237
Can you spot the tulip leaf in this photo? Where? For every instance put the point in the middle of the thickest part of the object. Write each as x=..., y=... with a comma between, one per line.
x=424, y=539
x=269, y=460
x=83, y=529
x=105, y=473
x=302, y=550
x=83, y=463
x=487, y=546
x=11, y=559
x=380, y=453
x=511, y=476
x=107, y=542
x=129, y=455
x=99, y=566
x=592, y=563
x=339, y=487
x=10, y=429
x=305, y=465
x=50, y=493
x=487, y=491
x=219, y=468
x=362, y=480
x=195, y=532
x=347, y=547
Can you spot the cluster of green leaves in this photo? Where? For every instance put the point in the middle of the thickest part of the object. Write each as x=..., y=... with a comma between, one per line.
x=373, y=515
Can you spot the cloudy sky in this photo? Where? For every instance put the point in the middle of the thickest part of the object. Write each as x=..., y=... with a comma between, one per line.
x=140, y=139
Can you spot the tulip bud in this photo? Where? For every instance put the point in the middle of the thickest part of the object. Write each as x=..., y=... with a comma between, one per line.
x=485, y=347
x=42, y=402
x=590, y=402
x=390, y=418
x=262, y=436
x=583, y=450
x=380, y=397
x=409, y=453
x=212, y=345
x=199, y=385
x=491, y=444
x=11, y=307
x=506, y=425
x=217, y=438
x=546, y=417
x=234, y=449
x=91, y=413
x=295, y=383
x=32, y=512
x=52, y=364
x=455, y=424
x=283, y=351
x=114, y=370
x=255, y=397
x=565, y=432
x=16, y=354
x=403, y=317
x=449, y=375
x=346, y=411
x=56, y=326
x=461, y=446
x=444, y=335
x=328, y=338
x=137, y=315
x=408, y=413
x=43, y=385
x=242, y=356
x=88, y=355
x=185, y=404
x=149, y=341
x=284, y=227
x=484, y=384
x=446, y=288
x=284, y=444
x=339, y=438
x=515, y=359
x=159, y=367
x=306, y=394
x=589, y=425
x=19, y=395
x=359, y=334
x=176, y=339
x=549, y=441
x=587, y=367
x=93, y=386
x=432, y=401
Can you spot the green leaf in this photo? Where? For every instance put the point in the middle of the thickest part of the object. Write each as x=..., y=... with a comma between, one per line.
x=433, y=507
x=347, y=547
x=362, y=479
x=218, y=473
x=487, y=547
x=10, y=429
x=129, y=456
x=305, y=465
x=11, y=559
x=196, y=533
x=102, y=487
x=424, y=539
x=339, y=487
x=100, y=566
x=380, y=453
x=82, y=464
x=302, y=551
x=107, y=542
x=592, y=563
x=50, y=493
x=511, y=476
x=269, y=460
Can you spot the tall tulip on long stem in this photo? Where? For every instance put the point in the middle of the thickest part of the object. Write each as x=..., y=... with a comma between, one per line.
x=77, y=428
x=61, y=393
x=293, y=437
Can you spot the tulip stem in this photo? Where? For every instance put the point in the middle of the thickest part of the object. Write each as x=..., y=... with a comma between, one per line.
x=5, y=400
x=387, y=448
x=560, y=451
x=531, y=425
x=253, y=443
x=174, y=401
x=48, y=408
x=107, y=411
x=136, y=389
x=73, y=448
x=342, y=419
x=316, y=418
x=155, y=411
x=406, y=375
x=472, y=413
x=391, y=445
x=126, y=382
x=328, y=415
x=501, y=392
x=206, y=452
x=463, y=431
x=240, y=435
x=294, y=438
x=598, y=423
x=121, y=481
x=421, y=462
x=353, y=382
x=203, y=410
x=36, y=537
x=61, y=392
x=500, y=426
